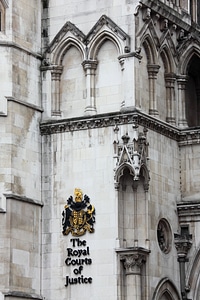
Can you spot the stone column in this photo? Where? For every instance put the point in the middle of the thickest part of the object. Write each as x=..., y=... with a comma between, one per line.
x=181, y=81
x=183, y=244
x=133, y=261
x=170, y=99
x=90, y=67
x=55, y=90
x=152, y=73
x=197, y=84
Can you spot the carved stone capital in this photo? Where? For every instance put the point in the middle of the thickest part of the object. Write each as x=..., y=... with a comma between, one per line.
x=153, y=70
x=133, y=263
x=90, y=64
x=170, y=79
x=56, y=73
x=133, y=259
x=183, y=245
x=181, y=81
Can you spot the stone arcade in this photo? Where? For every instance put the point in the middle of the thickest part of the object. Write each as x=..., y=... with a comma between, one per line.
x=101, y=98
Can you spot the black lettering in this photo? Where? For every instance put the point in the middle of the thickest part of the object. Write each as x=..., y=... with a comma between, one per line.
x=88, y=261
x=66, y=284
x=73, y=242
x=85, y=280
x=69, y=252
x=90, y=280
x=79, y=280
x=67, y=261
x=73, y=262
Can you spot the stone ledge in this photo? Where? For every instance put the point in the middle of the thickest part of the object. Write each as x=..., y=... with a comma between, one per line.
x=187, y=136
x=23, y=199
x=29, y=105
x=189, y=208
x=22, y=295
x=13, y=45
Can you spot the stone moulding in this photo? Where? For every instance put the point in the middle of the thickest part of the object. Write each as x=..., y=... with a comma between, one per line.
x=86, y=38
x=184, y=137
x=189, y=208
x=13, y=45
x=167, y=12
x=32, y=106
x=23, y=199
x=22, y=295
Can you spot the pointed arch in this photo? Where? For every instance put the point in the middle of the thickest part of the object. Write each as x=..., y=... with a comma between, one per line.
x=143, y=173
x=190, y=68
x=150, y=49
x=63, y=48
x=120, y=171
x=186, y=56
x=100, y=39
x=167, y=289
x=106, y=29
x=68, y=29
x=167, y=58
x=193, y=279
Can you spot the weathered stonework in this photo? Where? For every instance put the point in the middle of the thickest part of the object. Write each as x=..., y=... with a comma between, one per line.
x=101, y=96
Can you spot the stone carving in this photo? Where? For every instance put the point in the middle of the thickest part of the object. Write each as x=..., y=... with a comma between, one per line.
x=132, y=154
x=182, y=244
x=133, y=262
x=184, y=137
x=78, y=216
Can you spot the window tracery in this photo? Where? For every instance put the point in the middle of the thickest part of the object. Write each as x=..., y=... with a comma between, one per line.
x=164, y=236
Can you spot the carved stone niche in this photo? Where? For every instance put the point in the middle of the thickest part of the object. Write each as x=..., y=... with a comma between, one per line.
x=164, y=236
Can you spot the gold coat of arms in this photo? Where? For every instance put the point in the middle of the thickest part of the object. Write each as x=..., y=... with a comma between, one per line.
x=78, y=216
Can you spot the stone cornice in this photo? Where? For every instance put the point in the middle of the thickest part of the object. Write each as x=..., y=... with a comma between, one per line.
x=167, y=12
x=189, y=208
x=128, y=116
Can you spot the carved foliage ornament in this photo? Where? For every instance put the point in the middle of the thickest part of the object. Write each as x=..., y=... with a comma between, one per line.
x=78, y=216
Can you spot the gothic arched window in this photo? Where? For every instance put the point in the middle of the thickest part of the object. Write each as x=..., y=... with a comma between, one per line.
x=193, y=92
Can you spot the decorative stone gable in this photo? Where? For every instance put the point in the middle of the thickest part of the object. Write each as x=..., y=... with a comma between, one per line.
x=132, y=154
x=70, y=34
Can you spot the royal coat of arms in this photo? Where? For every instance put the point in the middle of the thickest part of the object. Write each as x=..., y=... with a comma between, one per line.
x=78, y=216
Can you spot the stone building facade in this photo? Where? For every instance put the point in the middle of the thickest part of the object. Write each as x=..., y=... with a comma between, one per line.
x=100, y=155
